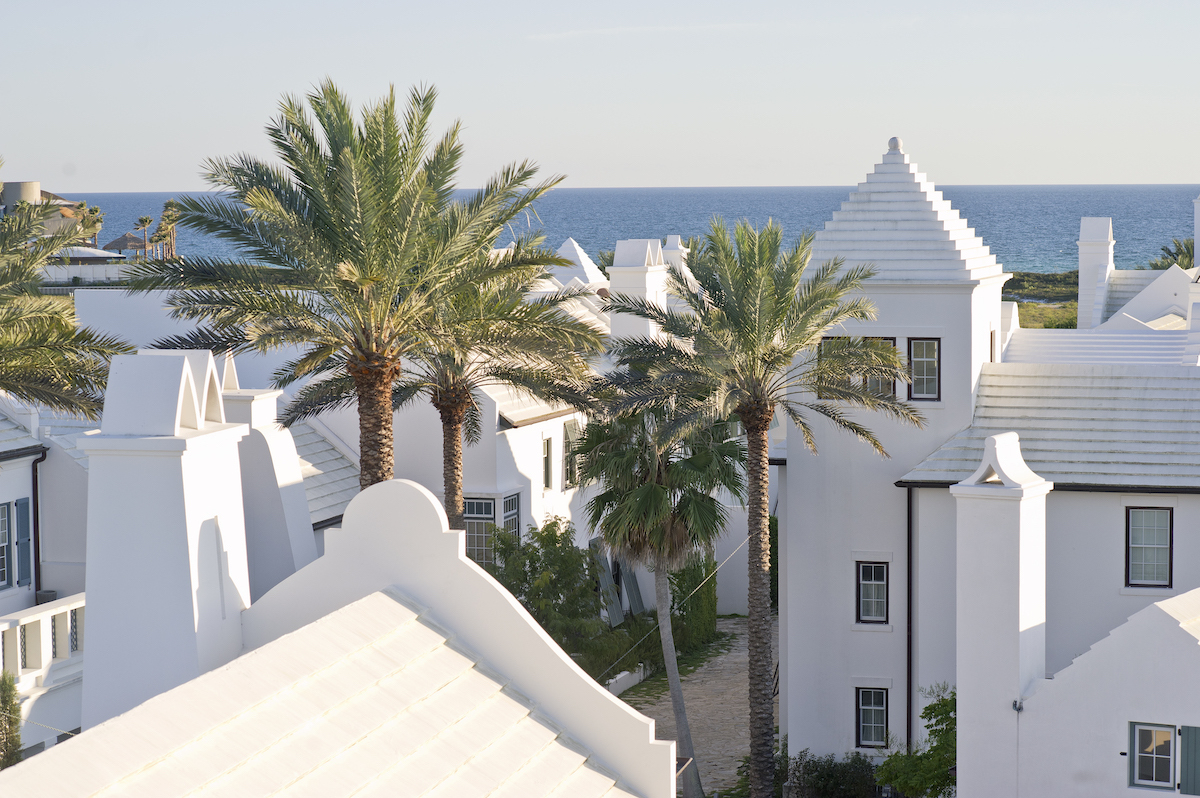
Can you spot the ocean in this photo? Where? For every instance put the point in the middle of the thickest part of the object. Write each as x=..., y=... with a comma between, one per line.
x=1029, y=228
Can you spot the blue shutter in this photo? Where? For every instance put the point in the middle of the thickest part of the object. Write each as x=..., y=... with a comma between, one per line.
x=629, y=580
x=24, y=553
x=608, y=589
x=1189, y=760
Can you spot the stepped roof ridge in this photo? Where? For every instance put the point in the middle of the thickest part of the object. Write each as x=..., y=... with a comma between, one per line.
x=897, y=220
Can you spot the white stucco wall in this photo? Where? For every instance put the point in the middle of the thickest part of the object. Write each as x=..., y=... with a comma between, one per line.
x=63, y=485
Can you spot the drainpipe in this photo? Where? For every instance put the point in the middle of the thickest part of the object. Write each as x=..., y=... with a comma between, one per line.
x=908, y=670
x=35, y=510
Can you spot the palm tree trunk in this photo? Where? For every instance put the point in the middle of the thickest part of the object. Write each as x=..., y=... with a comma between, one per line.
x=375, y=443
x=452, y=415
x=683, y=732
x=757, y=421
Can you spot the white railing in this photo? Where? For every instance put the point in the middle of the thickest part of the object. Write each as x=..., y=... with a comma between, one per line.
x=43, y=645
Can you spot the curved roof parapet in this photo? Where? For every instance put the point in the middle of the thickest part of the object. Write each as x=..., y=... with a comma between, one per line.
x=899, y=222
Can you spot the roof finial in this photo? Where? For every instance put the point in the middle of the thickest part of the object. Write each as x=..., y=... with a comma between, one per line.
x=894, y=144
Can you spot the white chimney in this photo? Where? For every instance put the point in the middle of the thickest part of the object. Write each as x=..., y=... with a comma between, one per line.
x=638, y=270
x=1001, y=611
x=166, y=546
x=1095, y=269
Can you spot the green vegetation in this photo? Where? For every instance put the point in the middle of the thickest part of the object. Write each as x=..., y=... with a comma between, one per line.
x=926, y=771
x=44, y=358
x=748, y=348
x=853, y=776
x=10, y=721
x=1180, y=252
x=649, y=690
x=1034, y=314
x=1042, y=287
x=351, y=241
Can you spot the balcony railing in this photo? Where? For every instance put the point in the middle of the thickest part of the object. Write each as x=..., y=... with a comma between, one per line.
x=43, y=645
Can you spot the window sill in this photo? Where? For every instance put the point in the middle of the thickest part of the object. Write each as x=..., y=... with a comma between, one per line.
x=1160, y=592
x=871, y=627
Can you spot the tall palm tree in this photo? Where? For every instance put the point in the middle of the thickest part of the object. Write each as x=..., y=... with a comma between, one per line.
x=349, y=243
x=44, y=358
x=1180, y=252
x=490, y=334
x=656, y=507
x=143, y=224
x=751, y=343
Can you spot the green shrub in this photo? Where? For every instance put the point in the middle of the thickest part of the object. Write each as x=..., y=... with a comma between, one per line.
x=926, y=771
x=694, y=620
x=853, y=776
x=10, y=721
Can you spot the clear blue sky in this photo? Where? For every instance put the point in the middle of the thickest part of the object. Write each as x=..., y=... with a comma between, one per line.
x=121, y=96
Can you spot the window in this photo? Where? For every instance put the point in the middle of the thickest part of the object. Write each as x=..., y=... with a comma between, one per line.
x=547, y=454
x=570, y=459
x=880, y=386
x=1148, y=546
x=479, y=515
x=872, y=592
x=6, y=547
x=872, y=717
x=924, y=359
x=1151, y=760
x=826, y=346
x=512, y=514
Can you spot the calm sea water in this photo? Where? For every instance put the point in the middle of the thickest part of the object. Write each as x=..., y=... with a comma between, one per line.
x=1029, y=228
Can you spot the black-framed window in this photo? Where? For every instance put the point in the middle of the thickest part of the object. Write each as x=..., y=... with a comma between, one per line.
x=1149, y=533
x=570, y=459
x=1152, y=756
x=870, y=720
x=925, y=367
x=512, y=515
x=479, y=516
x=872, y=579
x=881, y=386
x=547, y=463
x=6, y=546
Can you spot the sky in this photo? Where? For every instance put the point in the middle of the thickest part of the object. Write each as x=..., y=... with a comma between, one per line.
x=118, y=96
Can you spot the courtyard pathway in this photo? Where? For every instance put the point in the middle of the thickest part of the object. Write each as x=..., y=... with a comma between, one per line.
x=718, y=709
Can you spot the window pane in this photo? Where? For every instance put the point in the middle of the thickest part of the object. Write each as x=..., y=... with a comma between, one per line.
x=1145, y=767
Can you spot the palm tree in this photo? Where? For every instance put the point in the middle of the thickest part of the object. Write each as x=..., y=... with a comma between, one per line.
x=164, y=234
x=656, y=507
x=44, y=358
x=143, y=224
x=1180, y=252
x=752, y=343
x=490, y=334
x=349, y=244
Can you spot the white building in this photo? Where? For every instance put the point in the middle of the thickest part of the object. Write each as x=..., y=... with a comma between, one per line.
x=876, y=593
x=391, y=665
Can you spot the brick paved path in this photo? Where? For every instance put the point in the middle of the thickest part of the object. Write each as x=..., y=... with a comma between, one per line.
x=718, y=710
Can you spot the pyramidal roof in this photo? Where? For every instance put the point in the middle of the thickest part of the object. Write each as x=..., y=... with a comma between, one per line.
x=899, y=222
x=585, y=269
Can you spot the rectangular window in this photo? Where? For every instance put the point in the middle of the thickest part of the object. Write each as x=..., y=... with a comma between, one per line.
x=1152, y=759
x=6, y=555
x=547, y=459
x=570, y=459
x=924, y=360
x=872, y=717
x=1148, y=546
x=479, y=516
x=876, y=385
x=825, y=345
x=512, y=514
x=872, y=592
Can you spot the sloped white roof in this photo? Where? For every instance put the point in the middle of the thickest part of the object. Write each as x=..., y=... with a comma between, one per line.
x=13, y=436
x=88, y=252
x=370, y=700
x=1124, y=285
x=585, y=270
x=330, y=477
x=1083, y=425
x=1165, y=347
x=899, y=222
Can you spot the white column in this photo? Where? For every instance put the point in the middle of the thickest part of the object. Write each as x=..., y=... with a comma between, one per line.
x=1095, y=268
x=1001, y=621
x=279, y=533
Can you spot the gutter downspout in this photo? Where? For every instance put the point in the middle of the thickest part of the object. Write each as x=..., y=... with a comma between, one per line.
x=36, y=510
x=908, y=703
